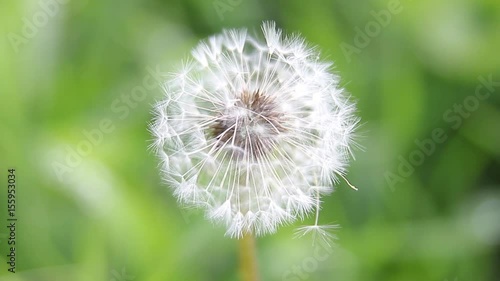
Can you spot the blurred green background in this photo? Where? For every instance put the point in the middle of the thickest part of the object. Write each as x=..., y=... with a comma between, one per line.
x=79, y=74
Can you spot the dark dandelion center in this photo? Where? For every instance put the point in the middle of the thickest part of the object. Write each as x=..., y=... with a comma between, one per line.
x=251, y=126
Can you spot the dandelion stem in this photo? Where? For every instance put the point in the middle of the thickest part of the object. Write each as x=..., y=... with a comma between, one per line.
x=248, y=258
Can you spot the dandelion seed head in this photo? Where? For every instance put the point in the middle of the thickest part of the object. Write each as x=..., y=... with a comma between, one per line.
x=253, y=130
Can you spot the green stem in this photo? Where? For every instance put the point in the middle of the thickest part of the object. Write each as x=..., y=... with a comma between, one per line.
x=248, y=258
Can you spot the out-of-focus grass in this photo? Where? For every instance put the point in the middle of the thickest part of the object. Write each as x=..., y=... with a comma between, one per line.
x=109, y=217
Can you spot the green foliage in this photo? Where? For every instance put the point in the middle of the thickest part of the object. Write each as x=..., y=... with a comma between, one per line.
x=76, y=94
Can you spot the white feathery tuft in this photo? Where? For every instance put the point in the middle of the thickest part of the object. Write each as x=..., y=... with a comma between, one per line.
x=318, y=232
x=254, y=131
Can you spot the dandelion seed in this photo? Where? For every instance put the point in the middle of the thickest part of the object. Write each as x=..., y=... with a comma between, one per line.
x=321, y=232
x=254, y=131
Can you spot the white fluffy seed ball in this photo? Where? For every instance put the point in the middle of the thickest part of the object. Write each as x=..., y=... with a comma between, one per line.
x=253, y=130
